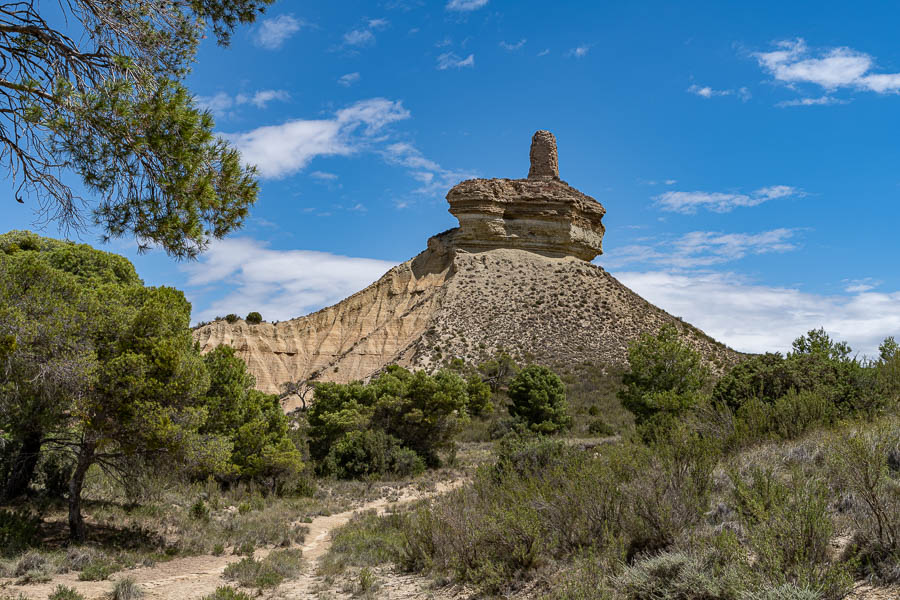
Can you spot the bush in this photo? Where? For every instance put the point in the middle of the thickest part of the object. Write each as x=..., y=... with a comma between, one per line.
x=539, y=398
x=540, y=500
x=98, y=570
x=664, y=378
x=254, y=318
x=126, y=589
x=200, y=511
x=416, y=411
x=600, y=427
x=764, y=377
x=673, y=491
x=267, y=573
x=254, y=423
x=862, y=464
x=787, y=527
x=678, y=576
x=367, y=540
x=227, y=593
x=65, y=593
x=788, y=591
x=19, y=529
x=232, y=318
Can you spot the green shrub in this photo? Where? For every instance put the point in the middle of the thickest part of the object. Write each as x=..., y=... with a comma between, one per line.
x=360, y=454
x=254, y=318
x=795, y=413
x=764, y=377
x=98, y=570
x=126, y=589
x=227, y=593
x=65, y=593
x=539, y=398
x=268, y=572
x=540, y=500
x=19, y=529
x=600, y=427
x=404, y=462
x=252, y=422
x=787, y=527
x=664, y=379
x=420, y=412
x=200, y=511
x=678, y=576
x=232, y=318
x=787, y=591
x=672, y=493
x=864, y=463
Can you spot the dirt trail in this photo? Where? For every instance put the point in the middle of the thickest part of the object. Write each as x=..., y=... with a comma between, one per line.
x=196, y=576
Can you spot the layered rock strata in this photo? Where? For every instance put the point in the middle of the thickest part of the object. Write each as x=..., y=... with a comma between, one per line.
x=541, y=214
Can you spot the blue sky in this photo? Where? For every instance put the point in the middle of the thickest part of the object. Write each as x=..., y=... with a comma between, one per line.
x=746, y=153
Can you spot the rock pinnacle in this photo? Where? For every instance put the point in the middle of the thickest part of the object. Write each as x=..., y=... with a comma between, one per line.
x=544, y=158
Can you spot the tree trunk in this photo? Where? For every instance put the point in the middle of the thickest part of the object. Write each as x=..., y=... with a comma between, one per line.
x=23, y=466
x=76, y=521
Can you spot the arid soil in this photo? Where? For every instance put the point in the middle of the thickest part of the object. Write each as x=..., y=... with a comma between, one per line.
x=196, y=576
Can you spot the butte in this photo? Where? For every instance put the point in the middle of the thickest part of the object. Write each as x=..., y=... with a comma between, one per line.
x=516, y=275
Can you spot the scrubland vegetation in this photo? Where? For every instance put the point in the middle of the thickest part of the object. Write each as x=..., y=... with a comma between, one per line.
x=780, y=479
x=122, y=446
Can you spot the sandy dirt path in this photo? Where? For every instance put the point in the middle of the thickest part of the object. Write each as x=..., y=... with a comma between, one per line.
x=196, y=576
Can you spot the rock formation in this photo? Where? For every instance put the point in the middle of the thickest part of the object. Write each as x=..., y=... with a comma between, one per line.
x=514, y=275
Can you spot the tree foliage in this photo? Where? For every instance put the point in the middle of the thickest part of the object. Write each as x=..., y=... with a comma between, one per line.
x=539, y=398
x=421, y=412
x=664, y=379
x=816, y=364
x=105, y=371
x=250, y=420
x=94, y=87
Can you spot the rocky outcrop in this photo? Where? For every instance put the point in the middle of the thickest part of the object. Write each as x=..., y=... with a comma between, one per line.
x=513, y=276
x=540, y=214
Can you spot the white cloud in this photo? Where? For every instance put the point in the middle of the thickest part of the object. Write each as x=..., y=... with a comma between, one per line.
x=434, y=178
x=359, y=37
x=272, y=33
x=280, y=284
x=261, y=98
x=544, y=52
x=820, y=101
x=757, y=318
x=861, y=285
x=378, y=23
x=221, y=103
x=708, y=92
x=451, y=60
x=513, y=47
x=580, y=51
x=323, y=176
x=348, y=79
x=831, y=68
x=465, y=5
x=218, y=104
x=280, y=150
x=689, y=202
x=702, y=249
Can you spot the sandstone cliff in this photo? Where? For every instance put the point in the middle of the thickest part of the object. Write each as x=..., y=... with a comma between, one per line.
x=513, y=276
